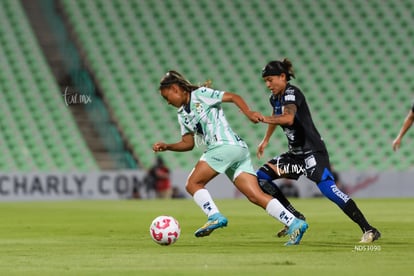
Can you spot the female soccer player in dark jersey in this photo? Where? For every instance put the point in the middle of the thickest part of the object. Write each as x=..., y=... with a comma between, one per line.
x=408, y=122
x=307, y=154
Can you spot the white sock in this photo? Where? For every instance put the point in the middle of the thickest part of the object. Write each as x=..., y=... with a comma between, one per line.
x=203, y=199
x=279, y=212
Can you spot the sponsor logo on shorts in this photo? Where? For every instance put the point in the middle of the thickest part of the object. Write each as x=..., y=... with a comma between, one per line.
x=310, y=162
x=289, y=168
x=217, y=159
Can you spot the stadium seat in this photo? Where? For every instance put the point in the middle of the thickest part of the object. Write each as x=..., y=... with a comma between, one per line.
x=342, y=51
x=38, y=131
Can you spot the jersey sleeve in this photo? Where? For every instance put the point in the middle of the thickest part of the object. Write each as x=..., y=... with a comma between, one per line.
x=208, y=96
x=183, y=128
x=412, y=108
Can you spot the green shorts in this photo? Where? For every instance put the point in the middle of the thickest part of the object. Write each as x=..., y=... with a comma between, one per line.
x=229, y=159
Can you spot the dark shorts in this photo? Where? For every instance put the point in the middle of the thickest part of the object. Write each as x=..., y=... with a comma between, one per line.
x=312, y=165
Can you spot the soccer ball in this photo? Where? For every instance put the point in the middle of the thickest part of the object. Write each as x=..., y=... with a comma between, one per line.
x=165, y=230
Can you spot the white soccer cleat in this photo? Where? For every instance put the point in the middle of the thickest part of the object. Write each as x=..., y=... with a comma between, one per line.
x=370, y=236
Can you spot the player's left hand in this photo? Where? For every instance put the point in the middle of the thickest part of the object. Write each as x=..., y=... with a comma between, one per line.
x=260, y=149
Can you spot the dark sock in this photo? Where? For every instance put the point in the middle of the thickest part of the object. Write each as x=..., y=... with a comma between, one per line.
x=273, y=190
x=353, y=212
x=295, y=212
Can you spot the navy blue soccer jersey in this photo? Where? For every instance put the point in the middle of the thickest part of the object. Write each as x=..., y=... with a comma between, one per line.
x=412, y=108
x=302, y=135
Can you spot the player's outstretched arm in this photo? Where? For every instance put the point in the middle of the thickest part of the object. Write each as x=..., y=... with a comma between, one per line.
x=263, y=144
x=253, y=116
x=186, y=144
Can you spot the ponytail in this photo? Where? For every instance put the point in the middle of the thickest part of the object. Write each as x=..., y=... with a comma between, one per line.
x=276, y=68
x=173, y=77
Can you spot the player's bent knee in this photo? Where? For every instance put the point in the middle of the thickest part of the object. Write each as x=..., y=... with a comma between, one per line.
x=192, y=187
x=265, y=177
x=267, y=173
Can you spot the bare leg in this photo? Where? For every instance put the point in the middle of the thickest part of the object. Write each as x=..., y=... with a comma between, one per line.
x=248, y=185
x=199, y=177
x=195, y=186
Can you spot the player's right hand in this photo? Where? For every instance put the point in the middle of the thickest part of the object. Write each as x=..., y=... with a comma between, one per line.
x=159, y=146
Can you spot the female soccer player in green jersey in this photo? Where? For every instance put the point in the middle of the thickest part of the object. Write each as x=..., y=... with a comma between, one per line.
x=200, y=113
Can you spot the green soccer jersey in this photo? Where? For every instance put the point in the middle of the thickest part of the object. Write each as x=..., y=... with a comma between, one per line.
x=204, y=116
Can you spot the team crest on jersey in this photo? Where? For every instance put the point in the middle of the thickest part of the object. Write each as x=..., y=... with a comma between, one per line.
x=199, y=108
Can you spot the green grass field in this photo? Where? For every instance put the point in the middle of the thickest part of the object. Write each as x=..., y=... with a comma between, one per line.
x=112, y=238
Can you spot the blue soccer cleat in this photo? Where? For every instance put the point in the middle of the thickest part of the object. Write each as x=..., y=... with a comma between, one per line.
x=284, y=231
x=215, y=221
x=296, y=231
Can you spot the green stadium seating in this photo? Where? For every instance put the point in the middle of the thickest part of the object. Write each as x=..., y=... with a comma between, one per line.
x=38, y=132
x=352, y=61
